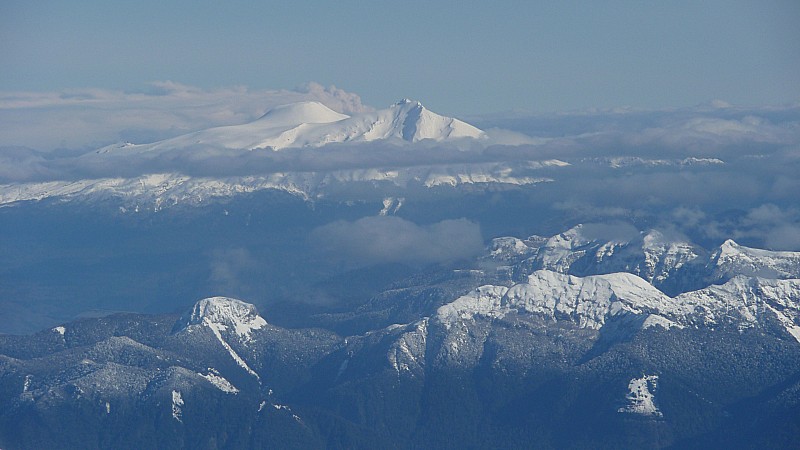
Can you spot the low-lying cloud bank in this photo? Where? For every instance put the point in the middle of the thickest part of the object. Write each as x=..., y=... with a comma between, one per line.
x=693, y=140
x=92, y=118
x=389, y=239
x=729, y=135
x=712, y=172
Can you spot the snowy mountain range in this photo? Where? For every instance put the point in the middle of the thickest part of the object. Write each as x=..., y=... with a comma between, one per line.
x=353, y=293
x=673, y=265
x=588, y=282
x=285, y=128
x=308, y=150
x=158, y=191
x=659, y=358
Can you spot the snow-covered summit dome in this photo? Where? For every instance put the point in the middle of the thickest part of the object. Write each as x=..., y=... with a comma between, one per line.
x=294, y=114
x=224, y=313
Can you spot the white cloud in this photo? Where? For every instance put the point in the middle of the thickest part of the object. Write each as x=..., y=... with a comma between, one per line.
x=90, y=118
x=749, y=194
x=778, y=228
x=389, y=239
x=703, y=135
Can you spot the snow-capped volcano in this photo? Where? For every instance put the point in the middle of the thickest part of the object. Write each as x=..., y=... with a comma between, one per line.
x=312, y=124
x=410, y=121
x=294, y=114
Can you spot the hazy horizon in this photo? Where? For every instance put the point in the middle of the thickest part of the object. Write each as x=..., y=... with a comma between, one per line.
x=458, y=59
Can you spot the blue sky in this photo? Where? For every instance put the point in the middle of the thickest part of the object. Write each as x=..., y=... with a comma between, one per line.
x=458, y=58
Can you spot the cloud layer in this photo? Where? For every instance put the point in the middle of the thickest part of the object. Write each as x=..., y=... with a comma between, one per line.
x=389, y=239
x=710, y=172
x=621, y=139
x=90, y=118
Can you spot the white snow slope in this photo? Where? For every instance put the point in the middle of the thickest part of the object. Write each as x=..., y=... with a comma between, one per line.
x=227, y=318
x=155, y=192
x=588, y=302
x=312, y=124
x=305, y=124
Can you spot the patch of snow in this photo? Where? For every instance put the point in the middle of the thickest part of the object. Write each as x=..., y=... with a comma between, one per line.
x=505, y=248
x=219, y=382
x=732, y=259
x=215, y=328
x=387, y=203
x=155, y=193
x=60, y=330
x=143, y=193
x=177, y=403
x=407, y=353
x=287, y=409
x=108, y=408
x=791, y=327
x=27, y=383
x=641, y=397
x=634, y=161
x=454, y=175
x=485, y=300
x=692, y=161
x=654, y=320
x=342, y=368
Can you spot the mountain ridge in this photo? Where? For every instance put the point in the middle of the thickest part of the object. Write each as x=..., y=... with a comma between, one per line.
x=608, y=351
x=312, y=124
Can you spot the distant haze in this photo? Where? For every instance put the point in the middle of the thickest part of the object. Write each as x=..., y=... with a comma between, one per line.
x=458, y=58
